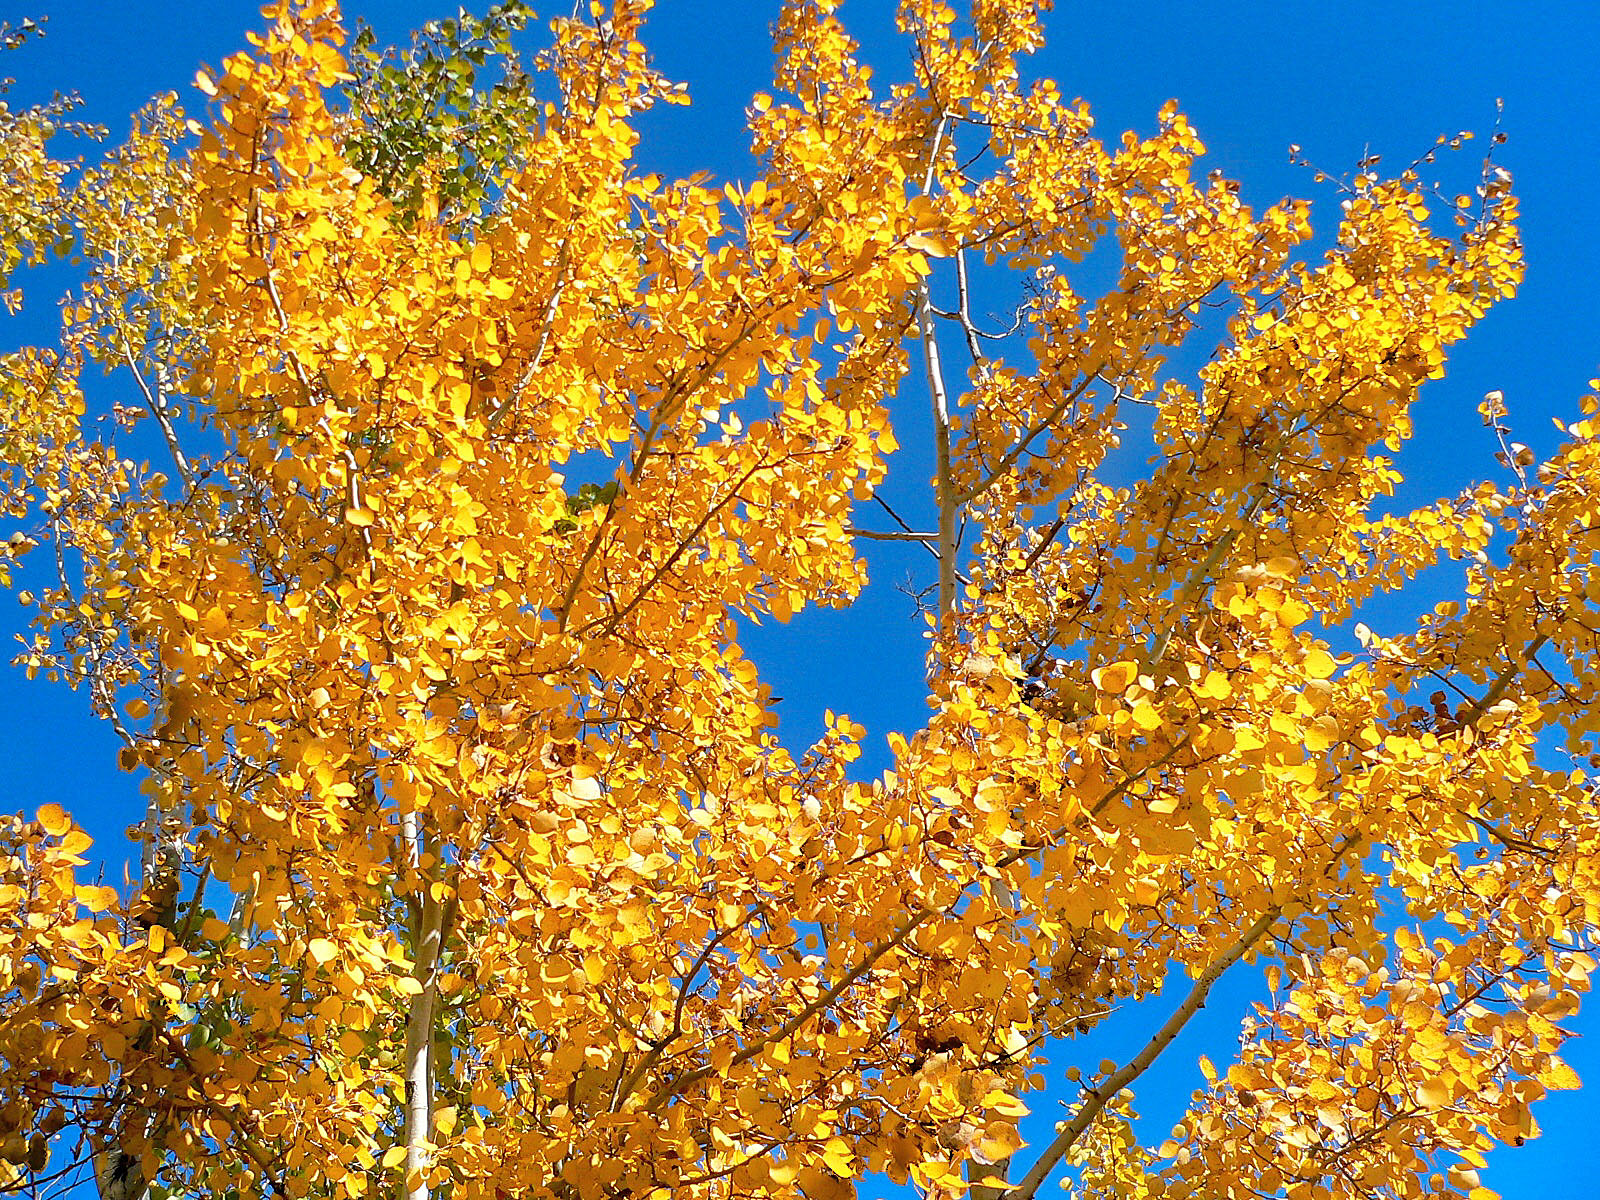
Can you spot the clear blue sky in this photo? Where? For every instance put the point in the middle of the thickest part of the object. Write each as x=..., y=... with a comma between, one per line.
x=1339, y=78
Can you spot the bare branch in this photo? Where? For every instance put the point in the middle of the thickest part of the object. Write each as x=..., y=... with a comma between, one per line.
x=547, y=322
x=891, y=535
x=157, y=404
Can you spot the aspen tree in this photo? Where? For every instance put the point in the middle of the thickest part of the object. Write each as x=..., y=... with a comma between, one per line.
x=472, y=866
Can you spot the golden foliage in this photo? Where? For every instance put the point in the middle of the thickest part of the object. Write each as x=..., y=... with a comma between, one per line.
x=528, y=900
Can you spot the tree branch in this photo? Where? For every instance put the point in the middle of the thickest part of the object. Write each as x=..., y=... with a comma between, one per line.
x=907, y=926
x=157, y=404
x=1502, y=682
x=1009, y=458
x=547, y=322
x=891, y=535
x=1102, y=1094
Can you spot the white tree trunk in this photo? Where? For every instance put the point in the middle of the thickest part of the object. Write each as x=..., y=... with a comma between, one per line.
x=419, y=1064
x=944, y=487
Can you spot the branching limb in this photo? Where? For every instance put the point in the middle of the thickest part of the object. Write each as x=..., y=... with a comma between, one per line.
x=683, y=546
x=963, y=315
x=1503, y=681
x=908, y=925
x=1102, y=1093
x=1511, y=841
x=1020, y=446
x=625, y=1089
x=157, y=404
x=665, y=410
x=931, y=539
x=547, y=321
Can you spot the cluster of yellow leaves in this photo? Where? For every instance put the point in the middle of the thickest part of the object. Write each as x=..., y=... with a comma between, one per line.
x=432, y=631
x=78, y=992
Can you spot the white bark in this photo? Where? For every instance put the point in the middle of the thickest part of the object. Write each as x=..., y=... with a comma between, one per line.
x=1103, y=1092
x=428, y=930
x=419, y=1062
x=944, y=487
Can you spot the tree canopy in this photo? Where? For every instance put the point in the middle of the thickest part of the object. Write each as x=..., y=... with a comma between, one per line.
x=460, y=452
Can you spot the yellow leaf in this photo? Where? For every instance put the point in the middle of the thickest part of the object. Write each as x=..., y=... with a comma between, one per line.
x=1318, y=664
x=1320, y=734
x=783, y=1173
x=1004, y=1103
x=1146, y=715
x=824, y=1185
x=1114, y=678
x=321, y=950
x=97, y=897
x=1559, y=1077
x=936, y=245
x=997, y=1141
x=839, y=1157
x=54, y=819
x=1435, y=1093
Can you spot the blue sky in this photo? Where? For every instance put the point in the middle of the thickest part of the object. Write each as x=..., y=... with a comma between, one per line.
x=1339, y=79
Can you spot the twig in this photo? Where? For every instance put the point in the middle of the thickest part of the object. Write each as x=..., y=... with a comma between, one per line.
x=546, y=326
x=891, y=535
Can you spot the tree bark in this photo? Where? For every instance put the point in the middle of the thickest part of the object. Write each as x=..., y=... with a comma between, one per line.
x=428, y=941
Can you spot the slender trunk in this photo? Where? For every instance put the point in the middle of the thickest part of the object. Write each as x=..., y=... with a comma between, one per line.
x=118, y=1170
x=428, y=931
x=419, y=1048
x=944, y=487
